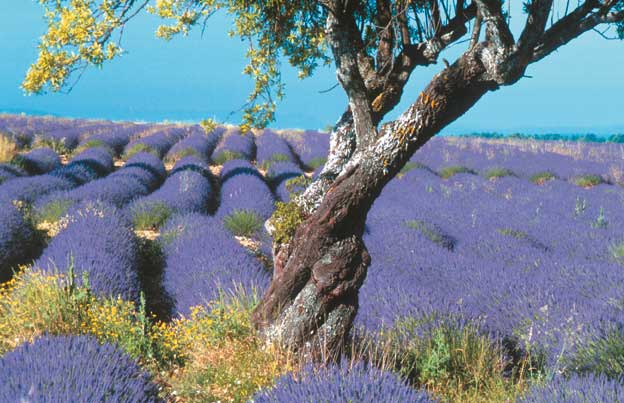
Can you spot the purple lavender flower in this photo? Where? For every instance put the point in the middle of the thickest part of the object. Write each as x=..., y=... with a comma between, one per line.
x=576, y=389
x=198, y=144
x=341, y=383
x=73, y=369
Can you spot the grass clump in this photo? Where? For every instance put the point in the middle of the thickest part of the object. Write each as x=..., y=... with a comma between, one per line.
x=317, y=162
x=274, y=158
x=587, y=181
x=617, y=251
x=8, y=149
x=185, y=152
x=243, y=223
x=432, y=233
x=499, y=173
x=542, y=177
x=139, y=148
x=455, y=363
x=410, y=165
x=58, y=146
x=603, y=354
x=51, y=212
x=298, y=184
x=226, y=156
x=454, y=170
x=150, y=216
x=285, y=220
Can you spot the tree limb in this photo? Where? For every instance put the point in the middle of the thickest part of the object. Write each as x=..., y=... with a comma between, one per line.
x=497, y=31
x=535, y=24
x=581, y=20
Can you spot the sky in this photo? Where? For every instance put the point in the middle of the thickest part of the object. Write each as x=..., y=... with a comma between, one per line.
x=578, y=89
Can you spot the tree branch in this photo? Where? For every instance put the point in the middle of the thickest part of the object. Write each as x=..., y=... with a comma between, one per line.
x=535, y=24
x=345, y=39
x=581, y=20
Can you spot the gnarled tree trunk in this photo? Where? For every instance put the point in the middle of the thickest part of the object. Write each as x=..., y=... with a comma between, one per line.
x=313, y=298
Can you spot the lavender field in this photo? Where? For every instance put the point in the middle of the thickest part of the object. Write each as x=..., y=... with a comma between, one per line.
x=133, y=254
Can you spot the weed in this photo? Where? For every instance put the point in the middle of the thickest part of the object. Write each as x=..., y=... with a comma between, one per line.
x=138, y=148
x=587, y=181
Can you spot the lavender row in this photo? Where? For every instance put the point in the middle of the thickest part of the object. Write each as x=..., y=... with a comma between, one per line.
x=494, y=252
x=312, y=147
x=189, y=188
x=97, y=239
x=139, y=176
x=197, y=144
x=158, y=143
x=204, y=262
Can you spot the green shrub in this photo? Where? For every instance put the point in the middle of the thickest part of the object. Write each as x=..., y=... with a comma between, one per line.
x=588, y=180
x=617, y=251
x=286, y=219
x=226, y=156
x=150, y=216
x=138, y=148
x=243, y=223
x=499, y=173
x=34, y=303
x=450, y=171
x=541, y=177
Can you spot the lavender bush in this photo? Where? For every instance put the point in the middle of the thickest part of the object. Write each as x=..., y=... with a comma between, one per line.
x=271, y=149
x=234, y=145
x=199, y=268
x=73, y=369
x=99, y=240
x=341, y=383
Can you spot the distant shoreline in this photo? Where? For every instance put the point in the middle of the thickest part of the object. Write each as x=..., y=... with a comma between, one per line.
x=616, y=135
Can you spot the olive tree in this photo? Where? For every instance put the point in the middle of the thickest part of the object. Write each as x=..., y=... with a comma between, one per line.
x=320, y=260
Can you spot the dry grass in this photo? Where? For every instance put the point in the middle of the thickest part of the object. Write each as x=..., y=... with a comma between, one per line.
x=8, y=149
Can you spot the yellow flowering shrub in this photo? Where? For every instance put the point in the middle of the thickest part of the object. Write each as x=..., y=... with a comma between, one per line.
x=34, y=303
